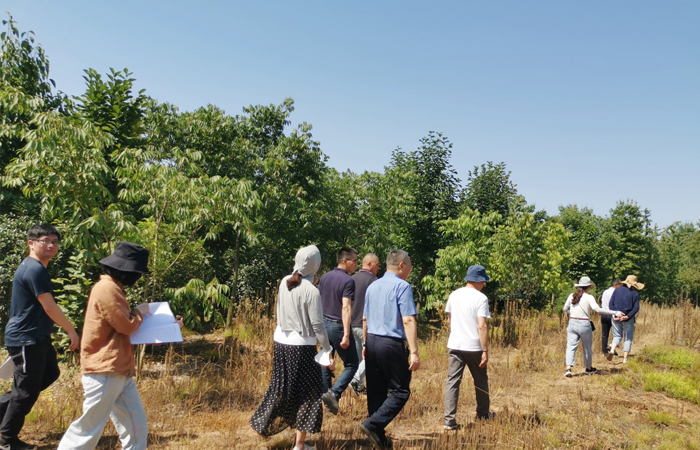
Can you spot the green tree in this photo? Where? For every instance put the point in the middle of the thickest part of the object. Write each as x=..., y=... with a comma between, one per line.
x=678, y=272
x=25, y=84
x=469, y=237
x=528, y=259
x=634, y=251
x=592, y=244
x=432, y=194
x=490, y=189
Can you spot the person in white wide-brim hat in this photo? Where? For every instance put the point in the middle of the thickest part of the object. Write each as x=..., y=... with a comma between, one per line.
x=580, y=328
x=626, y=299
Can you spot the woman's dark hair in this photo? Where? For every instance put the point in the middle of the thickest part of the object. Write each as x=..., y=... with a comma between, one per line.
x=294, y=280
x=125, y=278
x=577, y=295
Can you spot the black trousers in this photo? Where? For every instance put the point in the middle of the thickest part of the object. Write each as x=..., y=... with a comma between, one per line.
x=388, y=380
x=36, y=368
x=605, y=325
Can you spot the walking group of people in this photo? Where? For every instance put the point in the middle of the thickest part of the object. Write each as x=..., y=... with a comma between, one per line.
x=370, y=323
x=106, y=355
x=620, y=304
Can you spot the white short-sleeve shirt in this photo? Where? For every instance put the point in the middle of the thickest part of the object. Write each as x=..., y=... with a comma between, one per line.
x=465, y=306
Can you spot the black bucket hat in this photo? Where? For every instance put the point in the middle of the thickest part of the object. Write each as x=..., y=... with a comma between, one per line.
x=128, y=257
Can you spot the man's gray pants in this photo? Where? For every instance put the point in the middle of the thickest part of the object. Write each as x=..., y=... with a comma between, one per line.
x=457, y=360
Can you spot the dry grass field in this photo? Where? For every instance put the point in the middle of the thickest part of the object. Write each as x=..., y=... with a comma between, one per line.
x=200, y=394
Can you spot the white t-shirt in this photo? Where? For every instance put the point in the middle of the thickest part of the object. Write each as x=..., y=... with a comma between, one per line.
x=605, y=299
x=465, y=306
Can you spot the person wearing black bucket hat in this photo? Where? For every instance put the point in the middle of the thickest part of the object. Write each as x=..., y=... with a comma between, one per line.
x=107, y=357
x=468, y=345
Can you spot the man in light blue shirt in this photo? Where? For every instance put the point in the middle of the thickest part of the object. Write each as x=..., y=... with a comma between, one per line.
x=389, y=324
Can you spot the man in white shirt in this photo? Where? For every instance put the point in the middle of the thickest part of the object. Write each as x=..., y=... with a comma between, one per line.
x=468, y=344
x=606, y=321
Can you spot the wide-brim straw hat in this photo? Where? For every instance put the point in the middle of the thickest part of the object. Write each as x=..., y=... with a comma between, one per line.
x=631, y=282
x=584, y=282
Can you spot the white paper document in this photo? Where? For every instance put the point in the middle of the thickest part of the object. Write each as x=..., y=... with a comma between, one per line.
x=7, y=370
x=158, y=327
x=324, y=358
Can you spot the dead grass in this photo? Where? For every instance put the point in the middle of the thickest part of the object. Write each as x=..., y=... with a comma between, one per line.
x=201, y=394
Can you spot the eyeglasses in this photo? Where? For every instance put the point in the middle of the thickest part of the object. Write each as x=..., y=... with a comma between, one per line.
x=49, y=242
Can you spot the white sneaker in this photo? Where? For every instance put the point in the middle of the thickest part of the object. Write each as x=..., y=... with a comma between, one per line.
x=568, y=373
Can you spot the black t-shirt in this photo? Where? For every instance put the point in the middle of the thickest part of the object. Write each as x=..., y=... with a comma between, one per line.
x=335, y=285
x=28, y=322
x=363, y=279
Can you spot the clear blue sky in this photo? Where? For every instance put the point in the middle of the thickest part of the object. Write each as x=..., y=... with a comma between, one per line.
x=587, y=102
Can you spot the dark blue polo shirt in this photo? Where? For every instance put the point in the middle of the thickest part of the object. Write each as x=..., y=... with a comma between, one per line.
x=626, y=300
x=28, y=322
x=333, y=286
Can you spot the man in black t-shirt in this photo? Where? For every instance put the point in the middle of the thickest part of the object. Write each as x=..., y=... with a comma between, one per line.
x=33, y=311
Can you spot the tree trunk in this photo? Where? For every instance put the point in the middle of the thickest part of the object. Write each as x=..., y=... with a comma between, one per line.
x=234, y=290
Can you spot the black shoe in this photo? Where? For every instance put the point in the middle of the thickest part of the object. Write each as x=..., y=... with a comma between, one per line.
x=591, y=371
x=330, y=401
x=453, y=427
x=381, y=444
x=15, y=444
x=489, y=416
x=358, y=388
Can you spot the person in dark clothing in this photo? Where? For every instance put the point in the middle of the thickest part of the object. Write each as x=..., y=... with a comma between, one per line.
x=625, y=299
x=366, y=276
x=606, y=321
x=337, y=290
x=33, y=312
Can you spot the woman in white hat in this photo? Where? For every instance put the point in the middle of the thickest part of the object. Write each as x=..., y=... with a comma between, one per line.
x=579, y=306
x=293, y=398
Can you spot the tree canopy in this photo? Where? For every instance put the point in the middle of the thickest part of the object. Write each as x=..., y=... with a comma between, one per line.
x=224, y=201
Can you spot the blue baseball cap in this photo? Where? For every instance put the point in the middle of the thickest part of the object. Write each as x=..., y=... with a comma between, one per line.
x=476, y=274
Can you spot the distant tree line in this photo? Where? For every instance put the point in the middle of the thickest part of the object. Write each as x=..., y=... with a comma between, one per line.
x=224, y=201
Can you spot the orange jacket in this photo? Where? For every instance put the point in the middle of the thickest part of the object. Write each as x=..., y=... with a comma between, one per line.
x=105, y=346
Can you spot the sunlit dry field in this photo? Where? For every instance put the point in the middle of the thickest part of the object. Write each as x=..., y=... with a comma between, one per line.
x=201, y=394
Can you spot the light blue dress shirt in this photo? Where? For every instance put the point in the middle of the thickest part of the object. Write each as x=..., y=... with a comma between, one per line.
x=388, y=300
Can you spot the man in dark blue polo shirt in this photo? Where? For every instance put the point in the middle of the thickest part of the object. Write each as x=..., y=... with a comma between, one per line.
x=389, y=324
x=33, y=311
x=337, y=290
x=625, y=299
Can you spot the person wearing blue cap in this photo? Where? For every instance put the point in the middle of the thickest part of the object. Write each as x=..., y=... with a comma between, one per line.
x=468, y=310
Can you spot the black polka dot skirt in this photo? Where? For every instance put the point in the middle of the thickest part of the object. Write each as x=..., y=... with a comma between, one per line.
x=293, y=398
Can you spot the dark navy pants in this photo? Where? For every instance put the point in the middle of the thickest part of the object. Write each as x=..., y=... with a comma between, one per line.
x=388, y=380
x=605, y=325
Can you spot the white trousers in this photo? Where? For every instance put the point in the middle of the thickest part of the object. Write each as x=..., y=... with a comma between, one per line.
x=108, y=396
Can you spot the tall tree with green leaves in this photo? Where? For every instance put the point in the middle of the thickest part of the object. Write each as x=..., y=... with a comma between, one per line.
x=432, y=195
x=634, y=251
x=592, y=243
x=469, y=243
x=25, y=89
x=490, y=189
